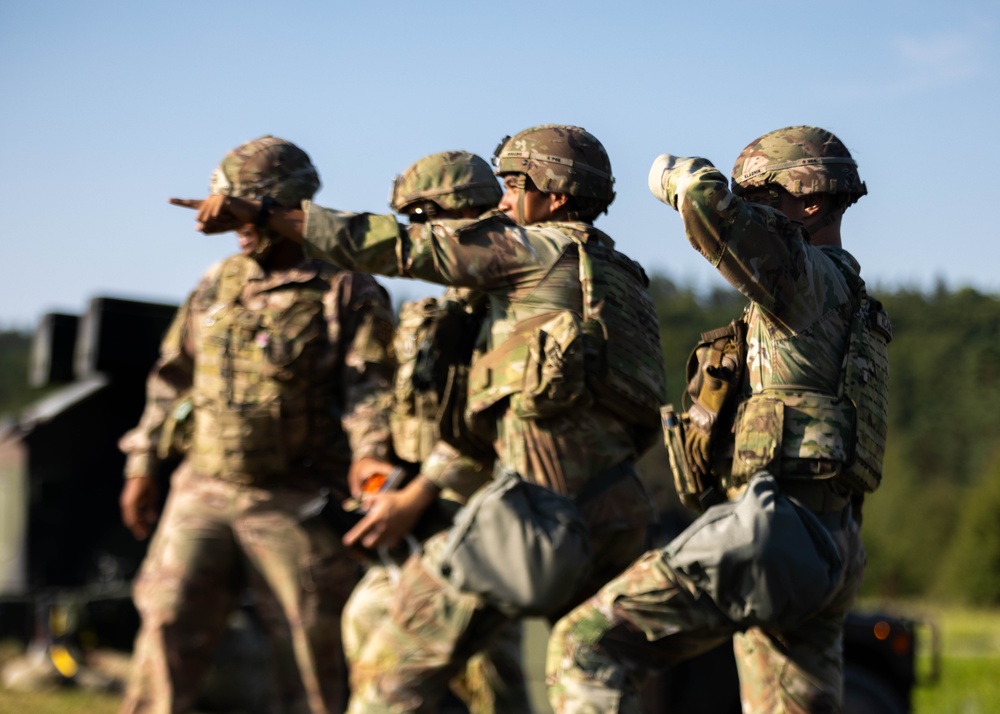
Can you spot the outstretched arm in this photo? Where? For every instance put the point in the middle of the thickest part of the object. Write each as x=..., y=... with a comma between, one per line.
x=221, y=214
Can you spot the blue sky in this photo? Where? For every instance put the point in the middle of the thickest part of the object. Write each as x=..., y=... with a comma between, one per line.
x=108, y=108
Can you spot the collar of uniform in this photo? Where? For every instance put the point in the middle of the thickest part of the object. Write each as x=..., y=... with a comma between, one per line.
x=850, y=258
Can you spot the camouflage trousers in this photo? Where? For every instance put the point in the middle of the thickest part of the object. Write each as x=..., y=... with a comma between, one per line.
x=215, y=541
x=772, y=575
x=432, y=629
x=491, y=682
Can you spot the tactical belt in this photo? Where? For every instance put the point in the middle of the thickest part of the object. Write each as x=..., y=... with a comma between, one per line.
x=792, y=468
x=820, y=496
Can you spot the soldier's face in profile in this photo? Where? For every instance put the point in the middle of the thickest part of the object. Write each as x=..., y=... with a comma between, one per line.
x=249, y=240
x=535, y=205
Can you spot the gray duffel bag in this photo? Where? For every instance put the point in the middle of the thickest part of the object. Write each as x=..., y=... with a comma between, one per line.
x=523, y=548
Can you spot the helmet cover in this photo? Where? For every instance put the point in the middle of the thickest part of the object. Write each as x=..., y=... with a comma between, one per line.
x=558, y=159
x=802, y=160
x=267, y=166
x=454, y=180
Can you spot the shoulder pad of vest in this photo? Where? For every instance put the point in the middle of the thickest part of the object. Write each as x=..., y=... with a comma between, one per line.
x=490, y=218
x=584, y=233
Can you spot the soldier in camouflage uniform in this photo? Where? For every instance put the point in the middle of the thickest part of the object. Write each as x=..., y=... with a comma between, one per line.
x=281, y=365
x=447, y=185
x=777, y=566
x=539, y=406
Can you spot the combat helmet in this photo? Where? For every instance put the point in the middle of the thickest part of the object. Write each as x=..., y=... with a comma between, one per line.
x=802, y=160
x=452, y=180
x=560, y=159
x=267, y=166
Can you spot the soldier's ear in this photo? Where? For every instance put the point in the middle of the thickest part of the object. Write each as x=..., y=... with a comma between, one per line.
x=813, y=203
x=557, y=200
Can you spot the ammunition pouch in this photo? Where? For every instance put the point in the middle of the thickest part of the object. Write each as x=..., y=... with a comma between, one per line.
x=760, y=427
x=540, y=366
x=554, y=372
x=793, y=434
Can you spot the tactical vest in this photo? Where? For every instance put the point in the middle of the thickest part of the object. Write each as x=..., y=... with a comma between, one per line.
x=602, y=346
x=264, y=400
x=805, y=433
x=625, y=360
x=434, y=344
x=865, y=382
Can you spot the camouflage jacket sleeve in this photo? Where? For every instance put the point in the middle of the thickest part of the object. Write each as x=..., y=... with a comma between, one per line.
x=169, y=380
x=759, y=251
x=451, y=470
x=486, y=253
x=360, y=317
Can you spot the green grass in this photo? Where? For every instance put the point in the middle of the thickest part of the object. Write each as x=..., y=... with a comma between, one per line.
x=969, y=676
x=968, y=685
x=65, y=701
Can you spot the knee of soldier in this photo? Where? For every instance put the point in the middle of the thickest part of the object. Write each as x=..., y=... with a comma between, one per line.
x=158, y=601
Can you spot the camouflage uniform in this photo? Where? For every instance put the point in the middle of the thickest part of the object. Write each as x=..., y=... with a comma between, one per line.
x=288, y=374
x=528, y=273
x=492, y=680
x=776, y=567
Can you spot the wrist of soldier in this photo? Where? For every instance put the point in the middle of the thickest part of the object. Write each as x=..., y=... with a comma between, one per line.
x=423, y=490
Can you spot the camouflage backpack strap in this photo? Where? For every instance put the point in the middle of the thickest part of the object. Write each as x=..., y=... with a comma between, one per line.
x=864, y=380
x=625, y=359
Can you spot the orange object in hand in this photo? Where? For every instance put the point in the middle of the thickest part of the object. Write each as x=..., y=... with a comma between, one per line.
x=373, y=484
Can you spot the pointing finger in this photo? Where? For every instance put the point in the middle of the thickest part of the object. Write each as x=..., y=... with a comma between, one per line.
x=186, y=202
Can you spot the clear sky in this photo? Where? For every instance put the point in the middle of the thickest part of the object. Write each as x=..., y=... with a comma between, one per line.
x=108, y=108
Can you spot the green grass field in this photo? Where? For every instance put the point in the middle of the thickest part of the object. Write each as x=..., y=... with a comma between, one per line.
x=969, y=676
x=969, y=681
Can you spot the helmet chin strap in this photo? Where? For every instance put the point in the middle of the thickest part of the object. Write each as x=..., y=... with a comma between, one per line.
x=522, y=191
